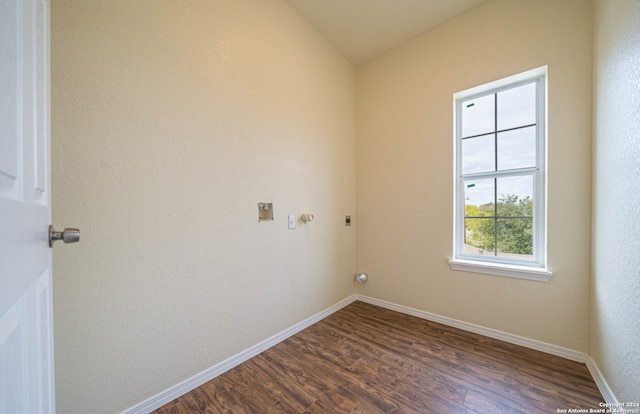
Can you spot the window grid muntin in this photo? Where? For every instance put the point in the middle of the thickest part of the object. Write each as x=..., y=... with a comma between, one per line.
x=498, y=132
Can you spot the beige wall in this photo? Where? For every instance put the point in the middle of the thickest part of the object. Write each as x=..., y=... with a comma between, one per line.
x=171, y=121
x=405, y=167
x=615, y=342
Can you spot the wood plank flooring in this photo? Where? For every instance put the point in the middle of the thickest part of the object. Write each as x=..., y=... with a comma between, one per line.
x=367, y=359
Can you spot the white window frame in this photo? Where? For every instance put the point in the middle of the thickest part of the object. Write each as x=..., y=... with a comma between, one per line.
x=535, y=269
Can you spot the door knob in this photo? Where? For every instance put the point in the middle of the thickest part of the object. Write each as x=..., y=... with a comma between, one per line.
x=66, y=235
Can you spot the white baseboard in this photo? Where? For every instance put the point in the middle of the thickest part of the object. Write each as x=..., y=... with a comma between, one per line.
x=189, y=384
x=176, y=391
x=491, y=333
x=601, y=382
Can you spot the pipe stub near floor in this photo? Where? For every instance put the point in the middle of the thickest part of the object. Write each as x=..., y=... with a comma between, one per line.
x=362, y=277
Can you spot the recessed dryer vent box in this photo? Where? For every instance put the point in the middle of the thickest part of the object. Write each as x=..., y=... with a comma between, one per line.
x=265, y=211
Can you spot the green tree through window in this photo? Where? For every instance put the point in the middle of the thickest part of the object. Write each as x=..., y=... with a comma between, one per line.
x=511, y=231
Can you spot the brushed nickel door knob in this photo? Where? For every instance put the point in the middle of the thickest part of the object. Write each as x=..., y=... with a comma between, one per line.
x=69, y=235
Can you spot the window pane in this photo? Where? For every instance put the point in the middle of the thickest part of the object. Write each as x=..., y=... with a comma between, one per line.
x=517, y=107
x=517, y=149
x=478, y=115
x=515, y=238
x=515, y=196
x=479, y=197
x=478, y=154
x=479, y=238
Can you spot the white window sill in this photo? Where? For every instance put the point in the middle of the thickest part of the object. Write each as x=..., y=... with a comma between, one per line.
x=499, y=269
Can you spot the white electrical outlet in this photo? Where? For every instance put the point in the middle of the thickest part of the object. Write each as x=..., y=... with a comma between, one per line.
x=292, y=221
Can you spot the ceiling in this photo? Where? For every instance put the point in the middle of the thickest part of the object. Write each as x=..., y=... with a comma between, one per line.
x=362, y=29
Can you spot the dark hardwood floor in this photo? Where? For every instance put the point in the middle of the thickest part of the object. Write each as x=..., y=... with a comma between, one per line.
x=366, y=359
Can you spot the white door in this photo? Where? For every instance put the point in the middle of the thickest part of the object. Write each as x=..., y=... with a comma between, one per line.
x=26, y=328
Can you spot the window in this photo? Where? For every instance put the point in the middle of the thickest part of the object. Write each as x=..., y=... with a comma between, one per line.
x=500, y=179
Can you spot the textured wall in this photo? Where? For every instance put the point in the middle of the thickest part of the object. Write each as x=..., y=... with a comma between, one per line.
x=405, y=167
x=615, y=342
x=171, y=121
